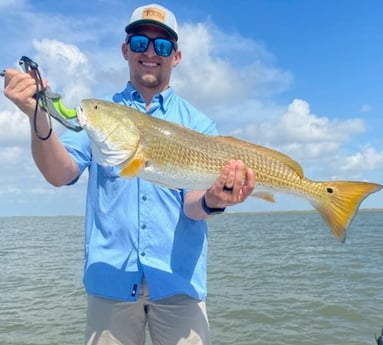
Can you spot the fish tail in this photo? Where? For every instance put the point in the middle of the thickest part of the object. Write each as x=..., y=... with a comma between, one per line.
x=342, y=202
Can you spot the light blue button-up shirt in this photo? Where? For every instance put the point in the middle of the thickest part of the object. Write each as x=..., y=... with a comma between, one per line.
x=135, y=228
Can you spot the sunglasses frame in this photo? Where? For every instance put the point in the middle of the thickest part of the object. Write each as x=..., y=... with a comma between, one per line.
x=149, y=40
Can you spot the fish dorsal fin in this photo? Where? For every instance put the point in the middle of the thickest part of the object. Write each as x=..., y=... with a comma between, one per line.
x=284, y=159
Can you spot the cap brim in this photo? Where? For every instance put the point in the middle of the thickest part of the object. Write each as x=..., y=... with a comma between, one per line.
x=130, y=27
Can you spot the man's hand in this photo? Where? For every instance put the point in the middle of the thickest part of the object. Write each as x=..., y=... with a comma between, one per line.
x=233, y=186
x=20, y=88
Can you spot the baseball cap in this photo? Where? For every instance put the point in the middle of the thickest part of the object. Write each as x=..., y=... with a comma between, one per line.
x=156, y=15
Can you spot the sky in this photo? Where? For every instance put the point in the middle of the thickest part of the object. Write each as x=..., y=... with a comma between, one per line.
x=302, y=77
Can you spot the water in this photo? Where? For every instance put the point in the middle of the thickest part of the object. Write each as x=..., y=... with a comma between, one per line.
x=273, y=279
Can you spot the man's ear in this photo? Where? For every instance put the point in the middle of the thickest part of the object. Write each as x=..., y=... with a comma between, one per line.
x=177, y=58
x=124, y=50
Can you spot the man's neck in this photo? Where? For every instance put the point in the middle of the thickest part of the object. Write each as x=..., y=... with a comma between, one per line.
x=148, y=93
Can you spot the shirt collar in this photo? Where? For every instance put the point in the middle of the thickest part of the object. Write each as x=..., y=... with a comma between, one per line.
x=162, y=98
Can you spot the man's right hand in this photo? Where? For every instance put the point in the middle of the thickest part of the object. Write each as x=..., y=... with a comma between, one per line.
x=20, y=88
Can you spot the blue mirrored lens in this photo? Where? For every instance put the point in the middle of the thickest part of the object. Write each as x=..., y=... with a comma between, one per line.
x=140, y=43
x=162, y=46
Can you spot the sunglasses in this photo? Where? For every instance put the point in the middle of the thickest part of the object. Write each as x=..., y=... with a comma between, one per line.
x=162, y=46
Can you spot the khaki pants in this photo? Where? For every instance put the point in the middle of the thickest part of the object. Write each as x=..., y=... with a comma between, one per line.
x=178, y=320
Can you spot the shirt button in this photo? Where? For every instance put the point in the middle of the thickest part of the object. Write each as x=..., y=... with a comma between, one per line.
x=143, y=226
x=143, y=253
x=144, y=198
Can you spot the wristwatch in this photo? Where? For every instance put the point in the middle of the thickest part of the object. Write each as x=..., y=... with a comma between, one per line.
x=208, y=210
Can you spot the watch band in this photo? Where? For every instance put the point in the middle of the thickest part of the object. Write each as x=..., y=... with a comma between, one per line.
x=208, y=210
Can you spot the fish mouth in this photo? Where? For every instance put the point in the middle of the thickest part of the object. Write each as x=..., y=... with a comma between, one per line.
x=81, y=116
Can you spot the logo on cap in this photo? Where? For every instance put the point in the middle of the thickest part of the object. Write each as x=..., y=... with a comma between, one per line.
x=154, y=14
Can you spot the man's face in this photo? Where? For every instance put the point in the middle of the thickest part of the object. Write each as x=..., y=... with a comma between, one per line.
x=147, y=69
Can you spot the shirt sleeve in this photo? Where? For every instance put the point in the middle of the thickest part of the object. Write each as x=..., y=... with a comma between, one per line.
x=77, y=145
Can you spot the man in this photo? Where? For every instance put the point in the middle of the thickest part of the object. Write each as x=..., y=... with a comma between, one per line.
x=146, y=245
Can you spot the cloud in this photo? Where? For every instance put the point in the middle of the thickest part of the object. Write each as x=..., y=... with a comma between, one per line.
x=365, y=108
x=304, y=135
x=11, y=156
x=208, y=74
x=300, y=124
x=12, y=4
x=14, y=128
x=66, y=67
x=367, y=159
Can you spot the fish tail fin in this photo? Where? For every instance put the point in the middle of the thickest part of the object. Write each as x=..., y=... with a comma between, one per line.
x=344, y=199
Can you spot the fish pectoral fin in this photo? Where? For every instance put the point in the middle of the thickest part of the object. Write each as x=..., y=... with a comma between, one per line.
x=264, y=196
x=133, y=167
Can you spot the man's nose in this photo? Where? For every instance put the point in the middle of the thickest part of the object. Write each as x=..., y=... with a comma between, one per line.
x=150, y=51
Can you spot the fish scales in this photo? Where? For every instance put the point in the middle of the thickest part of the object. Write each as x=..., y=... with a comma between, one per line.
x=198, y=154
x=178, y=157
